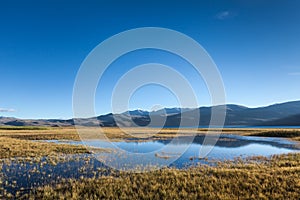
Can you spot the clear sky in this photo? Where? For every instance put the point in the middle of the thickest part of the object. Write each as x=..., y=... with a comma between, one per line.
x=255, y=44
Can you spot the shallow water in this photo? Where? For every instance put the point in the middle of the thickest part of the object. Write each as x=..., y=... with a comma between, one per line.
x=16, y=175
x=181, y=151
x=226, y=147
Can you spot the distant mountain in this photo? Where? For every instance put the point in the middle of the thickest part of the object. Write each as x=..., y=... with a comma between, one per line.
x=241, y=115
x=164, y=111
x=283, y=114
x=293, y=120
x=262, y=115
x=37, y=122
x=170, y=111
x=137, y=113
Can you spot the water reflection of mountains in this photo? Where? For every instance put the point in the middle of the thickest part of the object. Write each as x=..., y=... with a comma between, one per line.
x=232, y=141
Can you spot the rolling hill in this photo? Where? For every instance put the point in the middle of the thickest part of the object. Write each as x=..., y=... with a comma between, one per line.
x=283, y=114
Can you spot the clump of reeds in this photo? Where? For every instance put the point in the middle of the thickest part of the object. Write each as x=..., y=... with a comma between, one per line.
x=240, y=180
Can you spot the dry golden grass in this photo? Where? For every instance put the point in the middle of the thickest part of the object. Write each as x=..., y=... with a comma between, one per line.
x=70, y=133
x=10, y=147
x=278, y=133
x=42, y=134
x=277, y=178
x=17, y=142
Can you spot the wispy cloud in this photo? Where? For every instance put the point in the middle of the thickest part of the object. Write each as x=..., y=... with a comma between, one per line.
x=7, y=110
x=225, y=15
x=294, y=73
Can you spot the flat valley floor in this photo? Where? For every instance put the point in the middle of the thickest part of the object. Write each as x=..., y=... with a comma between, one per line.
x=31, y=167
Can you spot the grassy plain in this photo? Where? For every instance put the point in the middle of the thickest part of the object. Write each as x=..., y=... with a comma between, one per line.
x=277, y=177
x=70, y=133
x=274, y=178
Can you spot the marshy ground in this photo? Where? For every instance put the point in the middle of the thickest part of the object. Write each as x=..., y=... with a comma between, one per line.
x=276, y=177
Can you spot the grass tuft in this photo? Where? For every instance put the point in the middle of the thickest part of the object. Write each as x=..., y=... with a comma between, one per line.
x=272, y=179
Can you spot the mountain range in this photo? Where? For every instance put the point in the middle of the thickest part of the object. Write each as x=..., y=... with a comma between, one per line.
x=282, y=114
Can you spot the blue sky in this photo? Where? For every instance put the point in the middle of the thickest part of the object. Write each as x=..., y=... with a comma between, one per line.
x=255, y=45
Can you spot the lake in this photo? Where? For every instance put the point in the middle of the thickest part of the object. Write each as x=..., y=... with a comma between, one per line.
x=185, y=151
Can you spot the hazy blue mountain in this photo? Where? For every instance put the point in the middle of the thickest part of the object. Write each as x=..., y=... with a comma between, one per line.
x=164, y=111
x=293, y=120
x=170, y=111
x=137, y=112
x=283, y=114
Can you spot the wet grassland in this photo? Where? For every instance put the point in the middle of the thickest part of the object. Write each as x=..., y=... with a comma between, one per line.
x=31, y=168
